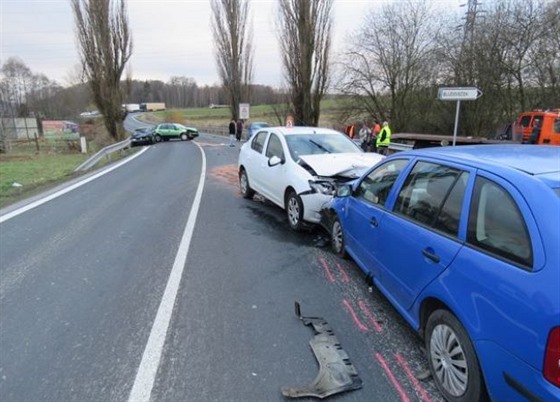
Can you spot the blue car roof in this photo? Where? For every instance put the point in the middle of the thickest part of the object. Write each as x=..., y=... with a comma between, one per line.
x=532, y=159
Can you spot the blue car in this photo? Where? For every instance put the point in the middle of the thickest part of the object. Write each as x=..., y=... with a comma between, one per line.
x=465, y=243
x=254, y=127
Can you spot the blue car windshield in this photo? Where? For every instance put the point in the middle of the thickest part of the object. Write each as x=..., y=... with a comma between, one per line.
x=316, y=144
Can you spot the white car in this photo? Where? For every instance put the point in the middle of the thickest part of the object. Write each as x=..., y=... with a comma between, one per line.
x=297, y=168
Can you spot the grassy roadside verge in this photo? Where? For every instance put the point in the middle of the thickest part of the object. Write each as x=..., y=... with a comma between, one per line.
x=24, y=172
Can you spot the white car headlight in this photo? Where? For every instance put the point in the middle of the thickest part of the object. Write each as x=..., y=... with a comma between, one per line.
x=322, y=186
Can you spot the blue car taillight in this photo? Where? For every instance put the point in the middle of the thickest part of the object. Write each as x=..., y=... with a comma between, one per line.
x=551, y=370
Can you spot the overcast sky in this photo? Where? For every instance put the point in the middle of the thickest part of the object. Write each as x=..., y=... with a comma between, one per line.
x=171, y=37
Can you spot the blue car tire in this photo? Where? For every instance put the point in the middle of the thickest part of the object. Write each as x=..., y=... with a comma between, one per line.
x=452, y=359
x=337, y=239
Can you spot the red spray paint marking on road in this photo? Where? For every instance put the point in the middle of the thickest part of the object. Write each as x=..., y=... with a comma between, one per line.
x=357, y=321
x=392, y=377
x=345, y=277
x=417, y=386
x=330, y=276
x=370, y=316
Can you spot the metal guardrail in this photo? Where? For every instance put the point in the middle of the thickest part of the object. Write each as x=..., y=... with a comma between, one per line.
x=218, y=130
x=395, y=146
x=105, y=152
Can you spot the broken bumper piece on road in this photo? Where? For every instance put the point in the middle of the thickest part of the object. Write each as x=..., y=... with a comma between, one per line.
x=336, y=372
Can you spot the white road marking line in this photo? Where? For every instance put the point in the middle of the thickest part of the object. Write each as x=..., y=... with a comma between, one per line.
x=146, y=375
x=74, y=186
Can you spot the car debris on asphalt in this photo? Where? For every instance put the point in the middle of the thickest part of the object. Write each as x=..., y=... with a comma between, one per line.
x=336, y=372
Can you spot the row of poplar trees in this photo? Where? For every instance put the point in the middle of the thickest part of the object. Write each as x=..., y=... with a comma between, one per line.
x=105, y=45
x=395, y=59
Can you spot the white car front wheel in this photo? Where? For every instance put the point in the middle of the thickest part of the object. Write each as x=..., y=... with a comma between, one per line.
x=246, y=190
x=294, y=211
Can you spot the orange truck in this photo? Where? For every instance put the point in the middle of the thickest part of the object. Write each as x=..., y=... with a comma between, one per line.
x=537, y=127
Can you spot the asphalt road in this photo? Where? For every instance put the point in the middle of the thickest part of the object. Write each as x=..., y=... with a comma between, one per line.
x=85, y=280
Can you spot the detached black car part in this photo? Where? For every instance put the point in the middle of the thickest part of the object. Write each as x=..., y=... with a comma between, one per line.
x=336, y=372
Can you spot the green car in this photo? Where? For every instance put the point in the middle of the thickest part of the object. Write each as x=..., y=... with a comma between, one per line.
x=165, y=131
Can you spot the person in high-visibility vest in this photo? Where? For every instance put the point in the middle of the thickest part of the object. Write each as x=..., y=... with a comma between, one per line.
x=384, y=139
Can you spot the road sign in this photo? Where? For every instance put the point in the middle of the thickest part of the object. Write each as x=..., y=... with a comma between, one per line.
x=459, y=94
x=244, y=111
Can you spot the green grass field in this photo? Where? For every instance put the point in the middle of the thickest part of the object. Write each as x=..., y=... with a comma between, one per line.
x=221, y=117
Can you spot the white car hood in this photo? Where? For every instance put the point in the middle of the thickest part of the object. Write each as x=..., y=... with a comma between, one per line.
x=348, y=164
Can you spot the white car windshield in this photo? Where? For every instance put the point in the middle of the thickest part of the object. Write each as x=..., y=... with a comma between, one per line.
x=316, y=144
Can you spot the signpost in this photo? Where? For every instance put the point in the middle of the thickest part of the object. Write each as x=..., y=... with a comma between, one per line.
x=458, y=94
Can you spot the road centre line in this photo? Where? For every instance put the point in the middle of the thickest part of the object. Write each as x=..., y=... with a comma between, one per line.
x=74, y=186
x=146, y=375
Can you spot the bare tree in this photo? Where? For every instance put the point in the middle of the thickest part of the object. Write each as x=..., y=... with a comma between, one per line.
x=17, y=80
x=389, y=63
x=105, y=46
x=14, y=81
x=511, y=55
x=234, y=52
x=305, y=28
x=521, y=28
x=546, y=56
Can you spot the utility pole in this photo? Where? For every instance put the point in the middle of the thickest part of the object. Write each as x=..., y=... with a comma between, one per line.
x=467, y=46
x=470, y=19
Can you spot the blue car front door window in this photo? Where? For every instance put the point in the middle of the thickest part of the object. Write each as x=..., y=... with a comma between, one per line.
x=376, y=186
x=432, y=195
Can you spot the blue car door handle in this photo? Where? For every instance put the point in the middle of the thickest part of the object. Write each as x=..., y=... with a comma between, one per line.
x=373, y=221
x=430, y=254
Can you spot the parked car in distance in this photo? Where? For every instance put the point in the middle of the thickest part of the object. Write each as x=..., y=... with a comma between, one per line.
x=167, y=131
x=465, y=243
x=298, y=168
x=93, y=113
x=254, y=127
x=142, y=136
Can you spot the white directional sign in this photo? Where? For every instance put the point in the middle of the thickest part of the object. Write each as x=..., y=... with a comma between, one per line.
x=459, y=94
x=244, y=111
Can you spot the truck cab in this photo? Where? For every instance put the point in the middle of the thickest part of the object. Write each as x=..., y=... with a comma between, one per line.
x=538, y=127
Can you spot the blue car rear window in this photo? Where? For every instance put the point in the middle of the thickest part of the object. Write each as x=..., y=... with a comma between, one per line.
x=496, y=224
